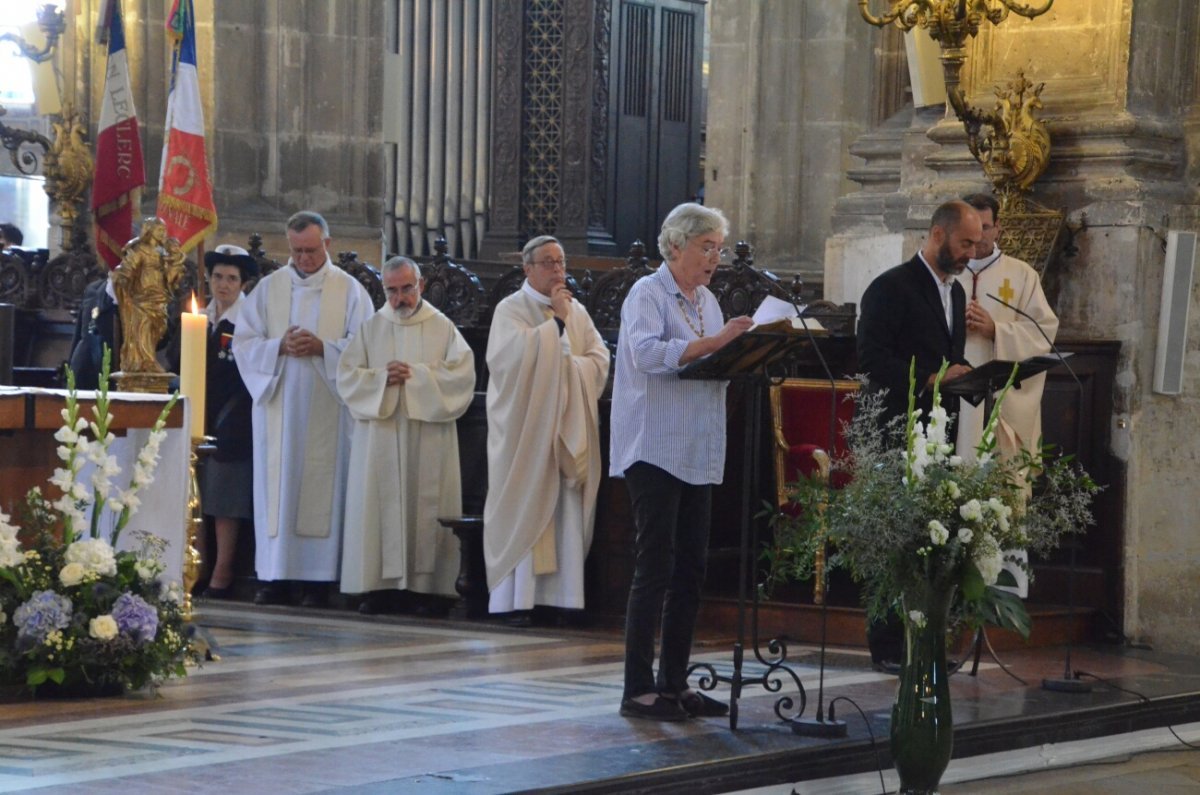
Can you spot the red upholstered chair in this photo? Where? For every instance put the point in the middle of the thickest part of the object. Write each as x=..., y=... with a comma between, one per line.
x=800, y=417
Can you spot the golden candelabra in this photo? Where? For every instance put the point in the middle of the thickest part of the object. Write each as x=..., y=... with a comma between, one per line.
x=1015, y=148
x=1015, y=151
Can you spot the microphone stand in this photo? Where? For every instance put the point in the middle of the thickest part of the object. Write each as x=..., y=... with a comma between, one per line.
x=819, y=726
x=1070, y=682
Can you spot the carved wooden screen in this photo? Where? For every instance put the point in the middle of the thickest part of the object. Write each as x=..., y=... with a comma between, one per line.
x=655, y=109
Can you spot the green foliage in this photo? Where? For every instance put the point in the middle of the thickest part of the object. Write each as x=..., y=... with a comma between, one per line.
x=914, y=516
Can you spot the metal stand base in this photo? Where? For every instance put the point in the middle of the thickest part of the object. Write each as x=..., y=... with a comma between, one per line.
x=822, y=729
x=1065, y=685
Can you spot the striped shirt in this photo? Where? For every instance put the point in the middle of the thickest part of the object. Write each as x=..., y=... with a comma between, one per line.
x=658, y=418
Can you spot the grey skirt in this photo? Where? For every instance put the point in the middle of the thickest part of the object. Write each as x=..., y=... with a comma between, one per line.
x=227, y=488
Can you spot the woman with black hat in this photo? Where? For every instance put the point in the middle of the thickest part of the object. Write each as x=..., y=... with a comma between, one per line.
x=226, y=489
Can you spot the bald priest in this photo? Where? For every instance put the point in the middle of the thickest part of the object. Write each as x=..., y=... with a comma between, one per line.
x=406, y=377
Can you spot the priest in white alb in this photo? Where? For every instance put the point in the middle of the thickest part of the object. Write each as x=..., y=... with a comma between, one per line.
x=291, y=331
x=406, y=377
x=995, y=331
x=547, y=366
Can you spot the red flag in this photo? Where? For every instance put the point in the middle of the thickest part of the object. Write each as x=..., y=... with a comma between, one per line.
x=185, y=198
x=119, y=164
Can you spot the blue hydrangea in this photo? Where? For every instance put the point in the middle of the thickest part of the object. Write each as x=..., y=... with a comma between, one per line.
x=135, y=617
x=45, y=611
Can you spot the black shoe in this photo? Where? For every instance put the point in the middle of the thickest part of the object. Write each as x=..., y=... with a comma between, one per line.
x=316, y=594
x=218, y=593
x=520, y=618
x=272, y=593
x=373, y=604
x=887, y=667
x=662, y=709
x=699, y=705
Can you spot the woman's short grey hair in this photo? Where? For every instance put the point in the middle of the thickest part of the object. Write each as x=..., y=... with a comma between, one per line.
x=306, y=218
x=397, y=262
x=527, y=253
x=689, y=221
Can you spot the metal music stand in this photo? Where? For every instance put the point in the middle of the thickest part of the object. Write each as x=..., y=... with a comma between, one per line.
x=744, y=362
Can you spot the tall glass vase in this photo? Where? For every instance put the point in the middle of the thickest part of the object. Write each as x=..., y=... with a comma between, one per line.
x=922, y=735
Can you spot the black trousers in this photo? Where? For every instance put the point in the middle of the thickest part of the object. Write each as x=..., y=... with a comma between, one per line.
x=671, y=549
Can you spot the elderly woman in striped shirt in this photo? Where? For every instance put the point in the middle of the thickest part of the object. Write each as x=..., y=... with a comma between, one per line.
x=668, y=442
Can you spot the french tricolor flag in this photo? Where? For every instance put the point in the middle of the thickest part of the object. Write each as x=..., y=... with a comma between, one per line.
x=185, y=200
x=120, y=170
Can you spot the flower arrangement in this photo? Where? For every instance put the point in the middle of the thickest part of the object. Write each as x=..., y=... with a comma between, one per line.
x=74, y=611
x=915, y=517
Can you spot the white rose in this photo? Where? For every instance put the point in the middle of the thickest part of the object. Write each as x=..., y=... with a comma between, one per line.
x=971, y=510
x=147, y=568
x=171, y=592
x=103, y=627
x=965, y=534
x=938, y=533
x=71, y=574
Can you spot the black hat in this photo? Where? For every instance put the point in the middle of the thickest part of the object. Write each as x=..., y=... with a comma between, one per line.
x=231, y=255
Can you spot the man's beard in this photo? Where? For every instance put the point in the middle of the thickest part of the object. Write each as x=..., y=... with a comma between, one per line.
x=947, y=263
x=405, y=312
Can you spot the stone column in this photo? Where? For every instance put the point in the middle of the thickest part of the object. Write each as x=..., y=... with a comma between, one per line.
x=790, y=88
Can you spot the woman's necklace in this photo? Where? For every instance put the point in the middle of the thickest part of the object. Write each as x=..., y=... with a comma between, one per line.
x=687, y=319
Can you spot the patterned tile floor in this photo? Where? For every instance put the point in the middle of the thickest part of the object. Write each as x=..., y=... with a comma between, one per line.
x=315, y=701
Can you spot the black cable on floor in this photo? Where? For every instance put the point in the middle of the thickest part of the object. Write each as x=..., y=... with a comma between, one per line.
x=1143, y=698
x=871, y=734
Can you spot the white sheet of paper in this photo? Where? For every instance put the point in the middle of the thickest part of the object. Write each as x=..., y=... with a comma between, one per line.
x=774, y=309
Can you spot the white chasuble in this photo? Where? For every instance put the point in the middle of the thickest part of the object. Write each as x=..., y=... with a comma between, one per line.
x=301, y=429
x=1020, y=425
x=404, y=467
x=543, y=452
x=1017, y=338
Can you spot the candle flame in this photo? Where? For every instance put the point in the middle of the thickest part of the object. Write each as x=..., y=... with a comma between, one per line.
x=195, y=306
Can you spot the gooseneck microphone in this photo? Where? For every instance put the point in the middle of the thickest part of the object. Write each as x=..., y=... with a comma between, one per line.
x=1070, y=682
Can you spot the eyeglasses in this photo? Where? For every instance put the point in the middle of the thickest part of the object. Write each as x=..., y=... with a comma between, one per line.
x=712, y=252
x=551, y=264
x=408, y=289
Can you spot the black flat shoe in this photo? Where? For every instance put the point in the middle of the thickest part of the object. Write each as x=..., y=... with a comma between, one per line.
x=373, y=604
x=218, y=593
x=272, y=594
x=699, y=705
x=315, y=595
x=663, y=709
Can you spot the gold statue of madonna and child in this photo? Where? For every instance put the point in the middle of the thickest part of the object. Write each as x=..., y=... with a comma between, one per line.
x=151, y=269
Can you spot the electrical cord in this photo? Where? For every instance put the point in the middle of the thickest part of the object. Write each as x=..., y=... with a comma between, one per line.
x=1141, y=697
x=870, y=733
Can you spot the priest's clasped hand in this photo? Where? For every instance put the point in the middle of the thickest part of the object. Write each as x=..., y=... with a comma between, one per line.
x=560, y=301
x=398, y=373
x=979, y=321
x=301, y=342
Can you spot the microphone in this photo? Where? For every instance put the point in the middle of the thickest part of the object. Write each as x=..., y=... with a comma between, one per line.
x=1058, y=354
x=1069, y=683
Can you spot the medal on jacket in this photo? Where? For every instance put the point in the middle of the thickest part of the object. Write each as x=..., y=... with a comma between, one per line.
x=226, y=347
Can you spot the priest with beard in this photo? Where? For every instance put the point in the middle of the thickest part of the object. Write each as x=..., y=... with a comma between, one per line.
x=290, y=333
x=547, y=366
x=917, y=311
x=406, y=377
